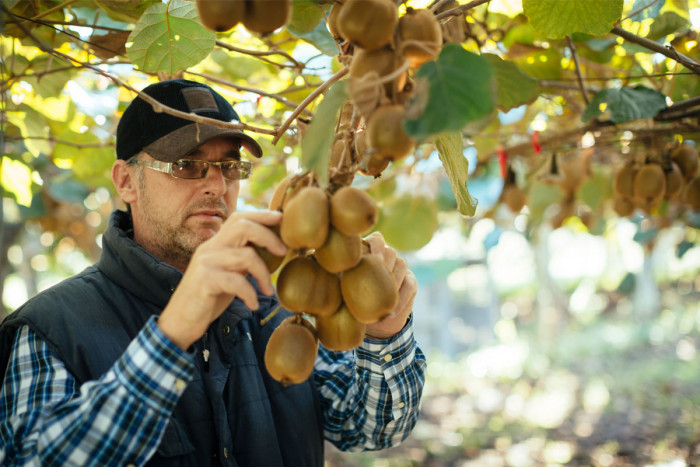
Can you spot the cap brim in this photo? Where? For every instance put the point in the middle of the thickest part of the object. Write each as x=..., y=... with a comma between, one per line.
x=181, y=142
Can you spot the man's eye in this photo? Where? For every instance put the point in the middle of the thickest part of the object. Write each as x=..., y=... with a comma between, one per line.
x=183, y=164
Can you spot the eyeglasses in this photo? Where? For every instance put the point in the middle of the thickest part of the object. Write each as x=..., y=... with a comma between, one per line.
x=194, y=169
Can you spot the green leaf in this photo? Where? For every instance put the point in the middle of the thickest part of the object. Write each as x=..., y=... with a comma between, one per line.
x=541, y=64
x=408, y=222
x=459, y=88
x=320, y=38
x=514, y=87
x=317, y=141
x=667, y=23
x=625, y=104
x=64, y=187
x=559, y=18
x=651, y=9
x=449, y=146
x=124, y=10
x=169, y=38
x=49, y=84
x=306, y=15
x=89, y=164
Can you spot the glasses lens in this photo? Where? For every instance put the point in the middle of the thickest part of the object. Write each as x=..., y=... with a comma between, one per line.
x=189, y=169
x=235, y=170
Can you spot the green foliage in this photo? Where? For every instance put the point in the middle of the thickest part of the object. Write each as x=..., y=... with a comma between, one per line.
x=460, y=90
x=557, y=18
x=407, y=222
x=169, y=38
x=625, y=104
x=514, y=87
x=449, y=148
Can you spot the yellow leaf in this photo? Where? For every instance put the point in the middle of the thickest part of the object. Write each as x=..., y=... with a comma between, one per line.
x=17, y=179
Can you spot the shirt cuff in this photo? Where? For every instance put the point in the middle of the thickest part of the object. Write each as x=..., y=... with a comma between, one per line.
x=388, y=356
x=154, y=369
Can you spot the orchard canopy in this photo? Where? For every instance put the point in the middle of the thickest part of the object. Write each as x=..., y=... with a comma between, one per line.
x=525, y=107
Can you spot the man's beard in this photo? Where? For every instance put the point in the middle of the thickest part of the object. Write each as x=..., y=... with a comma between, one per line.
x=172, y=241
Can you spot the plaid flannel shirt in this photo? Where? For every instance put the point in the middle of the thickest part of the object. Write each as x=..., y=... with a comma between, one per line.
x=369, y=397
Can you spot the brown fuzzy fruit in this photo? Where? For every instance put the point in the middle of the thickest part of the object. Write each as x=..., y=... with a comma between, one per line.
x=514, y=197
x=340, y=252
x=220, y=15
x=340, y=331
x=368, y=23
x=264, y=16
x=381, y=62
x=290, y=354
x=272, y=262
x=372, y=166
x=353, y=211
x=692, y=193
x=420, y=36
x=623, y=183
x=369, y=290
x=650, y=182
x=305, y=219
x=623, y=206
x=686, y=156
x=332, y=22
x=386, y=135
x=303, y=286
x=674, y=181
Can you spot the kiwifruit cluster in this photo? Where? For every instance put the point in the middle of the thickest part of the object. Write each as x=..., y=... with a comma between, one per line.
x=261, y=16
x=329, y=275
x=644, y=186
x=385, y=50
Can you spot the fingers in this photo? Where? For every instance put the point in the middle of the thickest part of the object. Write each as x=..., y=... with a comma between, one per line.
x=253, y=227
x=241, y=261
x=407, y=294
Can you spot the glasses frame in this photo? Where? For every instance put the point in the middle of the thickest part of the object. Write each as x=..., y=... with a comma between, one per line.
x=167, y=167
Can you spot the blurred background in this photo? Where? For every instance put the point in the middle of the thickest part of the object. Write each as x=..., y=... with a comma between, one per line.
x=561, y=326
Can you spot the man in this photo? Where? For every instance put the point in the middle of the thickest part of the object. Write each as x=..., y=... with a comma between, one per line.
x=155, y=354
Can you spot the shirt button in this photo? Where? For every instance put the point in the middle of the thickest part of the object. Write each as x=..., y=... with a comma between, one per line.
x=226, y=453
x=180, y=384
x=401, y=405
x=227, y=330
x=387, y=357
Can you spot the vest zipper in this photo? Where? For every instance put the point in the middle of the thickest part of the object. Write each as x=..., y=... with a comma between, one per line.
x=205, y=350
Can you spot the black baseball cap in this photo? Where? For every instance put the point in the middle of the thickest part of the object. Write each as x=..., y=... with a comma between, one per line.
x=169, y=138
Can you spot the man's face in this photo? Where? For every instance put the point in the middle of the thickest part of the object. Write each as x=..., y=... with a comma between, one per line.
x=174, y=216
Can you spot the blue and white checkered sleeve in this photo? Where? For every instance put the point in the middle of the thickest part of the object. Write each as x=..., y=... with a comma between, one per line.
x=45, y=419
x=370, y=396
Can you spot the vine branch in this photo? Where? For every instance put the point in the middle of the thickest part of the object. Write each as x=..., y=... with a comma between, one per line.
x=668, y=51
x=461, y=9
x=577, y=65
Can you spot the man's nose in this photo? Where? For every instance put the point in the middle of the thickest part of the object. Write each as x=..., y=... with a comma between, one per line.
x=214, y=181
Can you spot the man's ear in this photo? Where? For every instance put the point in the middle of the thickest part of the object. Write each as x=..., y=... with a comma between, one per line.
x=125, y=181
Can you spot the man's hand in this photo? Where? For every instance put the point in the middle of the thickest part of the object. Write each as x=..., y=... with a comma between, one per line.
x=217, y=274
x=405, y=282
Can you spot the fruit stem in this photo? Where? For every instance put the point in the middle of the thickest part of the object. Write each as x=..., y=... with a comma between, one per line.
x=272, y=314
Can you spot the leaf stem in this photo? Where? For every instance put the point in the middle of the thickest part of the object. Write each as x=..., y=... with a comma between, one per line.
x=667, y=51
x=272, y=314
x=577, y=65
x=310, y=98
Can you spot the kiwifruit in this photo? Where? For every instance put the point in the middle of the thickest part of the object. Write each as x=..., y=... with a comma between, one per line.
x=623, y=183
x=386, y=135
x=264, y=16
x=332, y=22
x=382, y=62
x=368, y=23
x=514, y=197
x=271, y=261
x=372, y=166
x=303, y=286
x=340, y=331
x=369, y=290
x=305, y=219
x=340, y=252
x=686, y=156
x=220, y=15
x=623, y=206
x=674, y=181
x=287, y=188
x=353, y=211
x=692, y=193
x=650, y=182
x=290, y=354
x=419, y=36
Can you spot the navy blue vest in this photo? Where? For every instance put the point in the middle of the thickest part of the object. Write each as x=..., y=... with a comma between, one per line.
x=232, y=413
